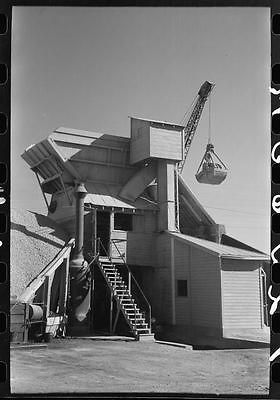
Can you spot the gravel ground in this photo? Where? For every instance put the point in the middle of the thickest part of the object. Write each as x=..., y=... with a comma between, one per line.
x=35, y=241
x=85, y=366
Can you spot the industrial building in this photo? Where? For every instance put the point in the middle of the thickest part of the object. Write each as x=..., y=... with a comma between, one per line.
x=145, y=249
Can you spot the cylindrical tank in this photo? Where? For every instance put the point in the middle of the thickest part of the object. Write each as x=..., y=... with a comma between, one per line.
x=35, y=312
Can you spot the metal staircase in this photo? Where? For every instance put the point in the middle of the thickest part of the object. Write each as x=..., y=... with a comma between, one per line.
x=129, y=298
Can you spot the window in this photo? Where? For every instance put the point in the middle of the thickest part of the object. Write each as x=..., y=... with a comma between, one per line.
x=123, y=222
x=182, y=288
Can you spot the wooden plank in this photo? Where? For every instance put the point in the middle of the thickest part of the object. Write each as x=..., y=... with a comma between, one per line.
x=17, y=337
x=165, y=144
x=15, y=319
x=62, y=288
x=205, y=289
x=18, y=309
x=241, y=294
x=18, y=327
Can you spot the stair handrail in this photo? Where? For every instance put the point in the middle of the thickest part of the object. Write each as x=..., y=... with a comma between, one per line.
x=130, y=275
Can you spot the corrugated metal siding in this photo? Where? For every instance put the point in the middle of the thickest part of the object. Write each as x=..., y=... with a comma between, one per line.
x=103, y=195
x=182, y=267
x=205, y=289
x=241, y=294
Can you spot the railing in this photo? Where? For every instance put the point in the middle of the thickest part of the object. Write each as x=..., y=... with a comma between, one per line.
x=133, y=287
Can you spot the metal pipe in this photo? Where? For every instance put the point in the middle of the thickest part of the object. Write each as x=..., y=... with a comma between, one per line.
x=79, y=270
x=80, y=194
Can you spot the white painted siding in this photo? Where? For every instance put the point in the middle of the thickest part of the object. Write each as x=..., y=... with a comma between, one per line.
x=150, y=221
x=138, y=222
x=147, y=141
x=163, y=306
x=146, y=222
x=182, y=272
x=121, y=243
x=165, y=144
x=140, y=142
x=241, y=294
x=205, y=289
x=163, y=250
x=141, y=248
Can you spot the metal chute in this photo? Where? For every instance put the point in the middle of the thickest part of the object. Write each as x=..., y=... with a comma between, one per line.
x=211, y=170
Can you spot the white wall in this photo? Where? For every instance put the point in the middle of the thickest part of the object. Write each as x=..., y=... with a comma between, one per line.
x=242, y=305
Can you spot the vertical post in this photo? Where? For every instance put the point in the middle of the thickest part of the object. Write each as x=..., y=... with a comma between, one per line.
x=111, y=313
x=93, y=230
x=172, y=263
x=110, y=244
x=62, y=288
x=129, y=282
x=166, y=195
x=177, y=198
x=80, y=194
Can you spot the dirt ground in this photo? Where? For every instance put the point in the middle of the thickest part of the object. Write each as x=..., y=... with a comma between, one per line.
x=84, y=365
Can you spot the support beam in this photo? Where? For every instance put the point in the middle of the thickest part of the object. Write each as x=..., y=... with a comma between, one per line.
x=111, y=313
x=172, y=264
x=166, y=195
x=116, y=319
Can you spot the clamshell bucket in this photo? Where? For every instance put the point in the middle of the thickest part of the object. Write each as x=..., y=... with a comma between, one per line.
x=211, y=170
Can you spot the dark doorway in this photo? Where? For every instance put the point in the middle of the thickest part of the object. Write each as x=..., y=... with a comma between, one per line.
x=100, y=303
x=103, y=231
x=89, y=233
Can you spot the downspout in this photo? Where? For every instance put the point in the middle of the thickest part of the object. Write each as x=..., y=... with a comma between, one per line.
x=79, y=270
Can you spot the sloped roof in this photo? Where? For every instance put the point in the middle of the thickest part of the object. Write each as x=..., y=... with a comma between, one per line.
x=104, y=195
x=153, y=121
x=191, y=212
x=221, y=249
x=35, y=241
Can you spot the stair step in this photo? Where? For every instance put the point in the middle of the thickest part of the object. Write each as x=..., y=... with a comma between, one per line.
x=143, y=330
x=118, y=282
x=119, y=290
x=119, y=285
x=138, y=322
x=130, y=306
x=112, y=274
x=129, y=302
x=110, y=269
x=134, y=314
x=129, y=297
x=146, y=337
x=140, y=325
x=138, y=317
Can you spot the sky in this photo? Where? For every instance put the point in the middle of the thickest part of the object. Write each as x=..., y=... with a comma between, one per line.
x=92, y=68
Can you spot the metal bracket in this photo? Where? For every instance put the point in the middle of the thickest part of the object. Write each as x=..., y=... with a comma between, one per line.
x=44, y=195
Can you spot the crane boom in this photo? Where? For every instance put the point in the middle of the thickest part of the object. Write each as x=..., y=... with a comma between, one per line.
x=192, y=123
